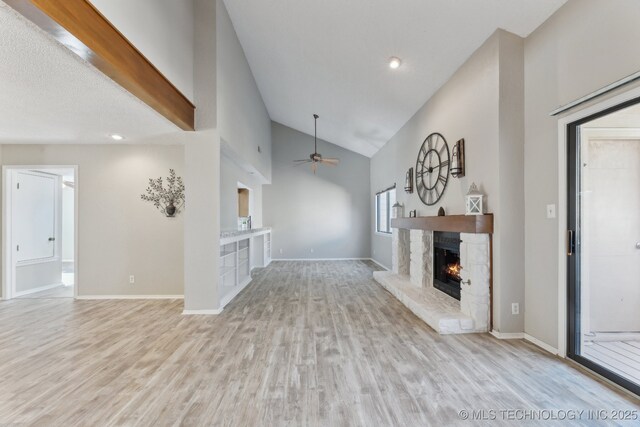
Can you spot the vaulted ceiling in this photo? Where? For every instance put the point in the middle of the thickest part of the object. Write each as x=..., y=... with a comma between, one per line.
x=331, y=57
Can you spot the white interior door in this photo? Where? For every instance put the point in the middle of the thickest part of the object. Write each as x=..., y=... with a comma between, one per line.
x=34, y=216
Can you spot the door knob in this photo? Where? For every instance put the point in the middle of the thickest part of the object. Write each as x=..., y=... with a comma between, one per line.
x=638, y=245
x=51, y=239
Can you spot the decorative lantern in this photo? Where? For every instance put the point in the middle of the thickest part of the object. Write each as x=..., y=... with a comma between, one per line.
x=397, y=210
x=474, y=201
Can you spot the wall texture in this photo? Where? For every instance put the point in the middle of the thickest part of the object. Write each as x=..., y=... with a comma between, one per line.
x=581, y=48
x=119, y=234
x=243, y=120
x=328, y=213
x=482, y=103
x=162, y=30
x=244, y=126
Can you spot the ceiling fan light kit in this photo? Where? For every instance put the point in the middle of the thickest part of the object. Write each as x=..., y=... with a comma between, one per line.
x=316, y=158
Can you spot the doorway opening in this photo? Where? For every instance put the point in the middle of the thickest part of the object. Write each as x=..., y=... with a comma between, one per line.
x=245, y=206
x=40, y=232
x=603, y=243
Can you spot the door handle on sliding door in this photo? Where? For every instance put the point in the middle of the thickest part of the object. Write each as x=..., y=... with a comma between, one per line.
x=571, y=242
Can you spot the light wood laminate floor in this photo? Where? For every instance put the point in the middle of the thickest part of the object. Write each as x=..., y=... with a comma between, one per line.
x=306, y=343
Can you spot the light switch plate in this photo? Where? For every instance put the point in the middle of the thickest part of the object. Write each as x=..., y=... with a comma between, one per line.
x=551, y=211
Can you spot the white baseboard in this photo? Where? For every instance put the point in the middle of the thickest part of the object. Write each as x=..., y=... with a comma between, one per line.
x=522, y=336
x=543, y=345
x=198, y=312
x=38, y=289
x=379, y=264
x=101, y=297
x=320, y=259
x=507, y=335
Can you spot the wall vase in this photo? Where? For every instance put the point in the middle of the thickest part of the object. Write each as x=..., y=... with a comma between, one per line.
x=170, y=210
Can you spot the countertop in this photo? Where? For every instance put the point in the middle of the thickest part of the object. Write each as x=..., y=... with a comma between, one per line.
x=235, y=233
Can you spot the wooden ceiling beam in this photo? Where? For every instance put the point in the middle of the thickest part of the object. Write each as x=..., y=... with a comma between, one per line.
x=79, y=26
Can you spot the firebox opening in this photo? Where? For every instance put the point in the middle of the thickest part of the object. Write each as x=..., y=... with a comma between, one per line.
x=446, y=263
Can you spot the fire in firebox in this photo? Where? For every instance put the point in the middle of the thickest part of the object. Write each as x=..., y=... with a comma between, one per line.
x=453, y=270
x=446, y=263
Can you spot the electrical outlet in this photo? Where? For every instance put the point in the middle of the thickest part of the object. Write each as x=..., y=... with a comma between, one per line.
x=515, y=308
x=280, y=251
x=311, y=250
x=132, y=279
x=551, y=211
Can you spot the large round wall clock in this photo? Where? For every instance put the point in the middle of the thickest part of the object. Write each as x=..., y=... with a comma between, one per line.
x=432, y=169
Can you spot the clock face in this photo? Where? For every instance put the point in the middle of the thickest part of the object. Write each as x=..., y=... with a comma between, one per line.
x=432, y=169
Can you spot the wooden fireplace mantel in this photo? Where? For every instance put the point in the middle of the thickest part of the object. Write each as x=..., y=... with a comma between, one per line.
x=453, y=223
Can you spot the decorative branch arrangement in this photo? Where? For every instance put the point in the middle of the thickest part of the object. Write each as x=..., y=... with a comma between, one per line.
x=170, y=199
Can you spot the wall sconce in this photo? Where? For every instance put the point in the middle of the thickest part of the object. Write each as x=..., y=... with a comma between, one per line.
x=457, y=159
x=408, y=181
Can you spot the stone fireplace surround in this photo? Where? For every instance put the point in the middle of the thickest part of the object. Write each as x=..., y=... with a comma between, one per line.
x=411, y=277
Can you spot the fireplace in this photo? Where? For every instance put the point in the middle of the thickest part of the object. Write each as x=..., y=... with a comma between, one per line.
x=446, y=263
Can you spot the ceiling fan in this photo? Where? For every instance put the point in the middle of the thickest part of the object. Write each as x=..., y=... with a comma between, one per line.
x=315, y=158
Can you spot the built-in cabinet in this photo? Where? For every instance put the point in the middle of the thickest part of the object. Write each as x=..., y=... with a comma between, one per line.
x=241, y=252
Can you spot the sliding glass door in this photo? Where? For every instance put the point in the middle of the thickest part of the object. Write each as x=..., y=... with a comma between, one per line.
x=603, y=243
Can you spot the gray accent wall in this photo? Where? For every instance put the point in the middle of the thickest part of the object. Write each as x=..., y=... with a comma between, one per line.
x=584, y=46
x=327, y=215
x=482, y=103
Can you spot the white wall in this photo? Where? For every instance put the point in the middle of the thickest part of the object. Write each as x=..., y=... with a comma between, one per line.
x=328, y=212
x=33, y=276
x=119, y=234
x=243, y=120
x=482, y=103
x=243, y=125
x=202, y=172
x=584, y=46
x=68, y=221
x=163, y=30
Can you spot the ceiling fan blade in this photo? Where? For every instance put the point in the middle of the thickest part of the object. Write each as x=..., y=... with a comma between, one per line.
x=330, y=162
x=296, y=164
x=303, y=160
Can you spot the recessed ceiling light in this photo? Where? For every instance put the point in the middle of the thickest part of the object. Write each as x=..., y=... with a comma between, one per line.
x=394, y=62
x=116, y=137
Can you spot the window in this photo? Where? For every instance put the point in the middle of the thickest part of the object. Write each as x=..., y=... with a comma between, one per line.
x=384, y=202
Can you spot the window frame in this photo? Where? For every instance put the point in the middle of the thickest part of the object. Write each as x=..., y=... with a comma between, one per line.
x=390, y=201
